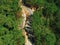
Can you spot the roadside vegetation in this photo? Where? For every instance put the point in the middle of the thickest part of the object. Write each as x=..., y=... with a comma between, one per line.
x=46, y=21
x=9, y=32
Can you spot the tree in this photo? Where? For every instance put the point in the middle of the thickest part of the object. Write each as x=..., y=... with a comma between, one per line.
x=43, y=34
x=36, y=3
x=9, y=32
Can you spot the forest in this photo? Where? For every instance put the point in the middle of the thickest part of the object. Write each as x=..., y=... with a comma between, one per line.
x=45, y=22
x=9, y=33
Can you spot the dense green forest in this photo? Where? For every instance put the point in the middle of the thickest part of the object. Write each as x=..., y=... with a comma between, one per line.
x=9, y=33
x=45, y=21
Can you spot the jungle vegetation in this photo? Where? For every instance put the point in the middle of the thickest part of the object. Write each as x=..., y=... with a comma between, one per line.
x=9, y=33
x=45, y=21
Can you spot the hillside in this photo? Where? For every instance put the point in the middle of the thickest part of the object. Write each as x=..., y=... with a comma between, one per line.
x=29, y=22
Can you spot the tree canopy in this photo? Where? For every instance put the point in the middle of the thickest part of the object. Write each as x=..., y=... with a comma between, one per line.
x=45, y=21
x=9, y=33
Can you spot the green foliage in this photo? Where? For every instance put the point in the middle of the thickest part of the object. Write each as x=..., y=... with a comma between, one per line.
x=42, y=32
x=46, y=21
x=9, y=33
x=50, y=8
x=58, y=19
x=57, y=2
x=35, y=3
x=58, y=42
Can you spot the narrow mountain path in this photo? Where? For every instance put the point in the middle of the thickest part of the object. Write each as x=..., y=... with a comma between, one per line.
x=26, y=14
